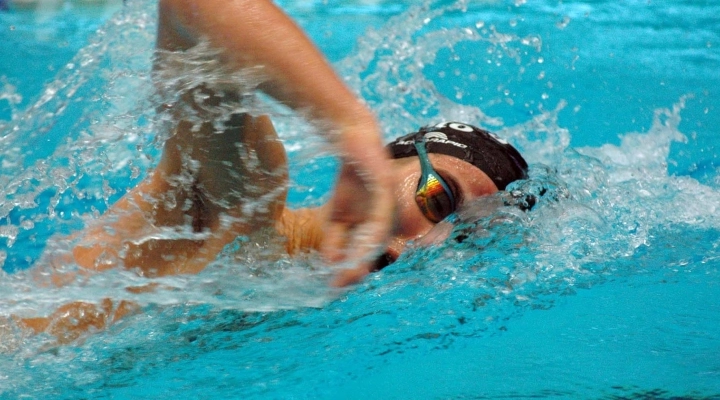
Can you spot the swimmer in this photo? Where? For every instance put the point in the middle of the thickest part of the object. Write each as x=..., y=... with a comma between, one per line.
x=212, y=171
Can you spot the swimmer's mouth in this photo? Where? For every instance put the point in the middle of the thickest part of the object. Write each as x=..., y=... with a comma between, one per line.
x=383, y=261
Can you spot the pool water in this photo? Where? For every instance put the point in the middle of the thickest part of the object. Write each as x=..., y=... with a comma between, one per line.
x=607, y=288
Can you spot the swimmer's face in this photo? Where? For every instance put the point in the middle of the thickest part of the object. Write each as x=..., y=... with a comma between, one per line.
x=465, y=179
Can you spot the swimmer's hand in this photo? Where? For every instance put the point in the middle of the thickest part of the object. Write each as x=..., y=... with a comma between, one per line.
x=361, y=209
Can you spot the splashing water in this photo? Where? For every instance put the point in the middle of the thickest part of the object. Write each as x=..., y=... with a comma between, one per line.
x=266, y=325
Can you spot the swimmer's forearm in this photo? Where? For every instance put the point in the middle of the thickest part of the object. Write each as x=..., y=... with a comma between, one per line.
x=257, y=33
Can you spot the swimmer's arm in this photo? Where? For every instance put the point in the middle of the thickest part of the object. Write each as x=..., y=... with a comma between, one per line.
x=208, y=215
x=256, y=33
x=72, y=320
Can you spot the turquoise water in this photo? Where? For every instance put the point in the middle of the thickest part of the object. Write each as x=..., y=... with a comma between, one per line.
x=607, y=289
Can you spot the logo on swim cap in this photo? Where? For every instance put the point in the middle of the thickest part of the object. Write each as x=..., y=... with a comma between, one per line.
x=468, y=128
x=435, y=135
x=456, y=126
x=439, y=137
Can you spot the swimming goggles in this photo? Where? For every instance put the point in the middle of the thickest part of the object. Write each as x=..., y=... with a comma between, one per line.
x=433, y=195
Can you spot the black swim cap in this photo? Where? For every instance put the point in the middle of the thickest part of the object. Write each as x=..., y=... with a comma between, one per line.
x=492, y=155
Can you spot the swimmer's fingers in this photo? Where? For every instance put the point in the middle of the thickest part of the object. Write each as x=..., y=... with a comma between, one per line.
x=361, y=211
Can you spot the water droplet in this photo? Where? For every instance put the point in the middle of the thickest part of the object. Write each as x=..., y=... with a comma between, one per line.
x=9, y=232
x=540, y=60
x=479, y=24
x=513, y=22
x=562, y=24
x=545, y=96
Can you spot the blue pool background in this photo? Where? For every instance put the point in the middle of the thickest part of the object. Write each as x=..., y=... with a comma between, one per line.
x=641, y=321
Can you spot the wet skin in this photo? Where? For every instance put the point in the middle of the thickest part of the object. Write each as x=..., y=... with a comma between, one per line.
x=410, y=224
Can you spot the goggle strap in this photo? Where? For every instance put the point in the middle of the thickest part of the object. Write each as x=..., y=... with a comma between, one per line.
x=427, y=170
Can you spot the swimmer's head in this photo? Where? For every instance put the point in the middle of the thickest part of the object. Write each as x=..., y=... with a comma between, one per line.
x=492, y=155
x=471, y=163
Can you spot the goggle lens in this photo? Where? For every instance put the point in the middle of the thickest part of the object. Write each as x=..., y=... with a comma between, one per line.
x=434, y=196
